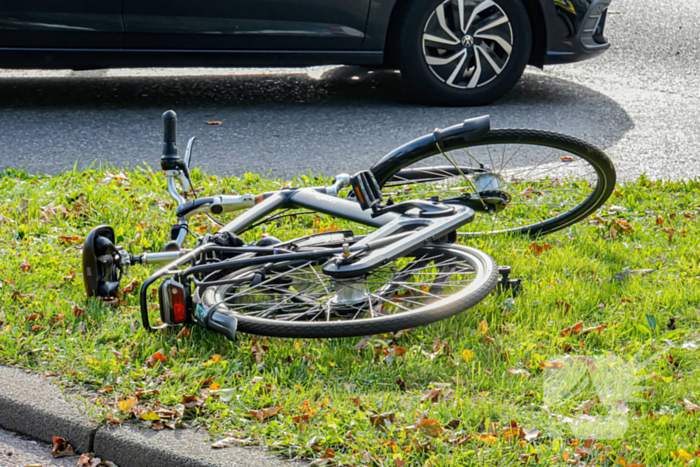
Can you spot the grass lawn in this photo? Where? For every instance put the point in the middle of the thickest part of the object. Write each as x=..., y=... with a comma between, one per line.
x=473, y=390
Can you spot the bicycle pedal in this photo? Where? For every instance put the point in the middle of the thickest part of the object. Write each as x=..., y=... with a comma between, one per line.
x=505, y=284
x=366, y=190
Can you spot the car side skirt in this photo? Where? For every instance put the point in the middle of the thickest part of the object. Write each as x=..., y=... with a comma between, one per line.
x=91, y=59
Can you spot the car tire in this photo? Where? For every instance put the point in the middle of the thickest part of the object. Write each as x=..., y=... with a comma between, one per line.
x=475, y=67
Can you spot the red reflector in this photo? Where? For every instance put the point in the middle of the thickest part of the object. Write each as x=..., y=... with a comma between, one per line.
x=178, y=299
x=179, y=311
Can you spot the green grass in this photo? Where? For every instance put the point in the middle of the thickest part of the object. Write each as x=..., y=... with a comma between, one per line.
x=336, y=401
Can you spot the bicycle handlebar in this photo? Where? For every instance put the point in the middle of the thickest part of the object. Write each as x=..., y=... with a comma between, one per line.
x=170, y=159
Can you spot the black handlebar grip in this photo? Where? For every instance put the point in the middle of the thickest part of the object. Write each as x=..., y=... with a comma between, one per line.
x=223, y=324
x=170, y=134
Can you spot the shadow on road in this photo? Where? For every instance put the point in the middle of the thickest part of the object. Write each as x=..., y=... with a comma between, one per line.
x=278, y=123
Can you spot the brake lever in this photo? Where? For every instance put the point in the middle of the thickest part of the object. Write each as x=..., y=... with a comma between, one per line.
x=188, y=152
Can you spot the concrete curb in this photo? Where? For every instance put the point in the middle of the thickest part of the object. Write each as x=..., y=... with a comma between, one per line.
x=31, y=405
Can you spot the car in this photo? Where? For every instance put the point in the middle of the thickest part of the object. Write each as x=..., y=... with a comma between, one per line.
x=449, y=52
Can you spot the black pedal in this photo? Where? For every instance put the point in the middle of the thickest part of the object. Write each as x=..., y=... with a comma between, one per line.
x=366, y=190
x=506, y=284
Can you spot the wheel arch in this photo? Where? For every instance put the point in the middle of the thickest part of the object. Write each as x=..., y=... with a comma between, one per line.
x=391, y=11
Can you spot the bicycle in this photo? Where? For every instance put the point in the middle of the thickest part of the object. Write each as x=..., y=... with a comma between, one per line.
x=409, y=272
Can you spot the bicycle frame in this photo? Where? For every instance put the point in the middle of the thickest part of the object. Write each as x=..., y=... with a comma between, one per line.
x=397, y=233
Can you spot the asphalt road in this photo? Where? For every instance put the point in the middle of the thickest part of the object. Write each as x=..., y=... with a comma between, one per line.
x=640, y=102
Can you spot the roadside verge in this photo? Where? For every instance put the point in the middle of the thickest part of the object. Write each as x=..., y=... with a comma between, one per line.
x=32, y=405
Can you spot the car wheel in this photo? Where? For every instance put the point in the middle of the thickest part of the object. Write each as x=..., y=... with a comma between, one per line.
x=463, y=52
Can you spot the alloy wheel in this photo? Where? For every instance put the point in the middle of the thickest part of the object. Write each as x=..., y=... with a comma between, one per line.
x=467, y=43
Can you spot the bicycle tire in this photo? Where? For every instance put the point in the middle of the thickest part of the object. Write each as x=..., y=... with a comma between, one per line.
x=572, y=146
x=486, y=277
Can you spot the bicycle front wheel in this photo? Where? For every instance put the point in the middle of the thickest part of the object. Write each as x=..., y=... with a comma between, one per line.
x=298, y=300
x=547, y=181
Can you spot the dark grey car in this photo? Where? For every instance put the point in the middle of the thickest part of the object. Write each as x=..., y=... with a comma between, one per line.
x=451, y=52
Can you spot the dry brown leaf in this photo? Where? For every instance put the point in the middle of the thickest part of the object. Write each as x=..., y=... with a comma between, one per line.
x=266, y=413
x=156, y=358
x=430, y=427
x=690, y=407
x=131, y=286
x=25, y=266
x=87, y=460
x=380, y=420
x=61, y=448
x=213, y=122
x=575, y=329
x=433, y=395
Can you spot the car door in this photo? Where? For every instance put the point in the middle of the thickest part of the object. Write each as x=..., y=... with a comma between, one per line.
x=245, y=24
x=81, y=24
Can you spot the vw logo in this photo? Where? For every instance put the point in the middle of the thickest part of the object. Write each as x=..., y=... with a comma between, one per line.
x=467, y=41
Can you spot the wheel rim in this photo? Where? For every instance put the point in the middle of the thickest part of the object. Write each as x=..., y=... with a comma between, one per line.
x=467, y=43
x=545, y=185
x=303, y=294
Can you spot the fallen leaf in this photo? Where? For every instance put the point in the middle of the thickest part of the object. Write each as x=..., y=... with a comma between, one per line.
x=25, y=266
x=87, y=460
x=539, y=249
x=156, y=358
x=363, y=344
x=433, y=395
x=149, y=415
x=520, y=371
x=525, y=458
x=131, y=286
x=231, y=441
x=65, y=241
x=552, y=365
x=265, y=413
x=380, y=420
x=430, y=427
x=191, y=402
x=483, y=327
x=126, y=405
x=212, y=360
x=593, y=328
x=401, y=384
x=530, y=434
x=214, y=386
x=213, y=122
x=682, y=454
x=575, y=329
x=61, y=448
x=467, y=355
x=690, y=407
x=158, y=426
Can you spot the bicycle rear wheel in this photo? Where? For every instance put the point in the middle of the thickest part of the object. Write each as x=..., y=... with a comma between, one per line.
x=298, y=300
x=548, y=180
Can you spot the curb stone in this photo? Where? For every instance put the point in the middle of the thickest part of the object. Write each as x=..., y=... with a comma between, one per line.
x=32, y=405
